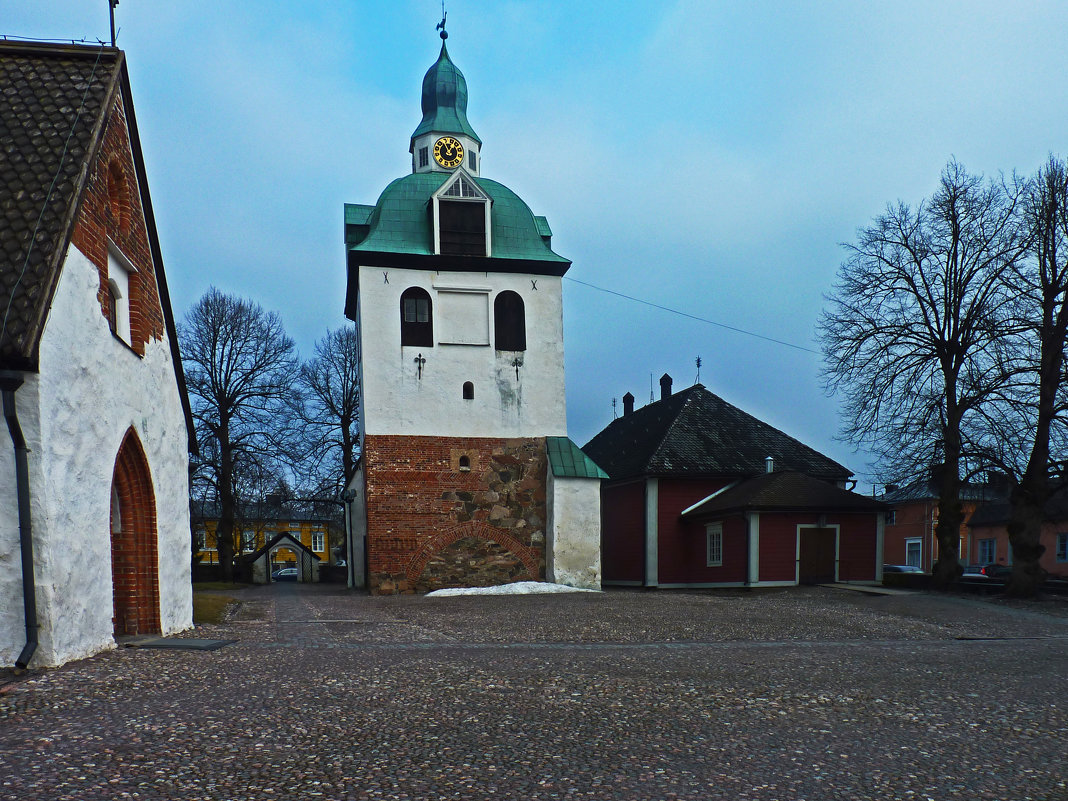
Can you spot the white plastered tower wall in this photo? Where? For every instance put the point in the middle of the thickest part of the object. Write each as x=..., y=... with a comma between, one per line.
x=89, y=391
x=573, y=544
x=396, y=400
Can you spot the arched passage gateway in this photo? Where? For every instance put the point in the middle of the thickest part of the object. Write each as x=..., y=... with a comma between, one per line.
x=134, y=555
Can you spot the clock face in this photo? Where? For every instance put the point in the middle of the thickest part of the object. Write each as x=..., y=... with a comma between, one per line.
x=448, y=152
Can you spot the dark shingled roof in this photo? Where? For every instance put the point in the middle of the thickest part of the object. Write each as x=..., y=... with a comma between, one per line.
x=782, y=491
x=927, y=489
x=695, y=432
x=54, y=104
x=996, y=513
x=54, y=101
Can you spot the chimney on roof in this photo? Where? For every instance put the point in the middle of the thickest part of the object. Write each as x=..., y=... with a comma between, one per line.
x=628, y=404
x=665, y=386
x=936, y=473
x=997, y=483
x=769, y=464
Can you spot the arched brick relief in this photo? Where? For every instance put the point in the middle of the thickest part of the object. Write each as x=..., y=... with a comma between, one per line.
x=134, y=547
x=472, y=528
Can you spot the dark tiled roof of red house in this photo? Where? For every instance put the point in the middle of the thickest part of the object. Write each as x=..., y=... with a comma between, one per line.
x=697, y=433
x=784, y=491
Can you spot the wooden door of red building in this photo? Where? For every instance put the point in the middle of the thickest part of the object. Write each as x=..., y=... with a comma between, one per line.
x=817, y=555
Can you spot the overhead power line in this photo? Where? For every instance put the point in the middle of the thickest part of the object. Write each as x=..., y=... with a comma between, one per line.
x=694, y=316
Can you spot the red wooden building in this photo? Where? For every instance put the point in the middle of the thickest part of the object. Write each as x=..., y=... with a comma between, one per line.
x=702, y=494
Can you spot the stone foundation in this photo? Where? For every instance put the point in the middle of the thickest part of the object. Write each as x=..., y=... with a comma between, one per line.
x=454, y=512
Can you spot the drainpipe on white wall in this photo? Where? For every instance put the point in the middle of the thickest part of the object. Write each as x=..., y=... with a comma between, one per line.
x=9, y=383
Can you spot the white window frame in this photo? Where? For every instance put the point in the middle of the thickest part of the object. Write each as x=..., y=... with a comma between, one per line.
x=990, y=542
x=318, y=539
x=119, y=271
x=918, y=543
x=714, y=545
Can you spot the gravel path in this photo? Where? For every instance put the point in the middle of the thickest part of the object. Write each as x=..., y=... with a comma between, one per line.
x=796, y=694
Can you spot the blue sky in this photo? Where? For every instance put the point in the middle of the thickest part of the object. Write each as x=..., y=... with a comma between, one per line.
x=706, y=156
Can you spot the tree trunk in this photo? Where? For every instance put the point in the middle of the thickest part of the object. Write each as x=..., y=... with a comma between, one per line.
x=950, y=514
x=1025, y=529
x=224, y=531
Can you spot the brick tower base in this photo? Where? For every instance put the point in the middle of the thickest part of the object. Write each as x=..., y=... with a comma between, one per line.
x=453, y=511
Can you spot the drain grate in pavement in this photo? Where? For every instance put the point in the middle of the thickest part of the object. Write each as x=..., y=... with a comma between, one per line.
x=181, y=643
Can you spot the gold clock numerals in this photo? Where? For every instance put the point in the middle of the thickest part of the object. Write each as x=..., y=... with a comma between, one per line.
x=448, y=152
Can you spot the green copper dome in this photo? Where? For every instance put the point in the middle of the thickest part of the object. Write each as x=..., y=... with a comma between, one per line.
x=400, y=223
x=445, y=100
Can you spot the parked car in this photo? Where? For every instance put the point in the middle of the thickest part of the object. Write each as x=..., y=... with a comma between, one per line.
x=997, y=571
x=285, y=574
x=990, y=571
x=902, y=569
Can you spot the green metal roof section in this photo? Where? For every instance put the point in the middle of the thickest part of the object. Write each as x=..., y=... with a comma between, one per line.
x=445, y=100
x=400, y=221
x=567, y=460
x=357, y=213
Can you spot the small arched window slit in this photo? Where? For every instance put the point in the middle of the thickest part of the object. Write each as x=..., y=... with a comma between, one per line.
x=469, y=390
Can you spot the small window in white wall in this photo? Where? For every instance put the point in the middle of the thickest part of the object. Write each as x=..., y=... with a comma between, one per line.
x=119, y=296
x=714, y=544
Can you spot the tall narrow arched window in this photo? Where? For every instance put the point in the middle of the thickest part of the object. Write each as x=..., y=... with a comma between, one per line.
x=509, y=322
x=417, y=318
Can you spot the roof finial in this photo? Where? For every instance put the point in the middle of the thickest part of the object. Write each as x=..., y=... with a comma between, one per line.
x=441, y=25
x=112, y=4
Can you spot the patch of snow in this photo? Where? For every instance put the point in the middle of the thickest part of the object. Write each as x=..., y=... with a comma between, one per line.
x=515, y=588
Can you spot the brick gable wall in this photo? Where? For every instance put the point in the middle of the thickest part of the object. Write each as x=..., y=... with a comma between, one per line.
x=431, y=524
x=106, y=213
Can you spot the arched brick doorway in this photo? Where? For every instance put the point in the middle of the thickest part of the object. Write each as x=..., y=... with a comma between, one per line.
x=134, y=554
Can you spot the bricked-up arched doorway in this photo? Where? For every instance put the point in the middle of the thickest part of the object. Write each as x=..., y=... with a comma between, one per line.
x=134, y=555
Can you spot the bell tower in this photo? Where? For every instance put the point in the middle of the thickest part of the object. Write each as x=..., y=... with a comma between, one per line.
x=456, y=293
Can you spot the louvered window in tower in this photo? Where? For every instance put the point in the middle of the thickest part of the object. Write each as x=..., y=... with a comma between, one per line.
x=461, y=212
x=462, y=227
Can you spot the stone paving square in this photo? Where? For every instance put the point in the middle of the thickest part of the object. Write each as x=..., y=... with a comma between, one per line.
x=803, y=693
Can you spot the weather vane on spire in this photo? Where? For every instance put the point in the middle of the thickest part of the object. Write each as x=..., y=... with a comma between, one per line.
x=441, y=25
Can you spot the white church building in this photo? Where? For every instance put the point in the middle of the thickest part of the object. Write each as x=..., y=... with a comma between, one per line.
x=94, y=499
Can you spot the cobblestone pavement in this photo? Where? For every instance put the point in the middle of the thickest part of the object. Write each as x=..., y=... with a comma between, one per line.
x=795, y=694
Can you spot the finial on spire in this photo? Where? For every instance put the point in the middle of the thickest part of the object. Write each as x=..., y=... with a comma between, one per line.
x=441, y=25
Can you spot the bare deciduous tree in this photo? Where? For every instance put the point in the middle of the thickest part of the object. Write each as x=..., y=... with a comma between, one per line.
x=331, y=409
x=1029, y=413
x=240, y=369
x=911, y=332
x=330, y=414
